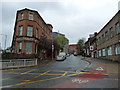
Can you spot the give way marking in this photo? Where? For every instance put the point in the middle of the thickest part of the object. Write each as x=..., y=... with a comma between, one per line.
x=100, y=69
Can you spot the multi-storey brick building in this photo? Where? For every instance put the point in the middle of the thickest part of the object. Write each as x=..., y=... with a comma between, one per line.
x=29, y=28
x=108, y=39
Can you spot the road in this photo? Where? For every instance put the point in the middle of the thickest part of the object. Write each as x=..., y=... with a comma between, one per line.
x=62, y=74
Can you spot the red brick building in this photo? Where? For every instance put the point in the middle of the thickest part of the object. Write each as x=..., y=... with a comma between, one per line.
x=29, y=28
x=72, y=48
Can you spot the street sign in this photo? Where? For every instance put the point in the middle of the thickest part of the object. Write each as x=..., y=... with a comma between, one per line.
x=91, y=47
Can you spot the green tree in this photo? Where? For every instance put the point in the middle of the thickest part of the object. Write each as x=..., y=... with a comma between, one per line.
x=80, y=45
x=62, y=41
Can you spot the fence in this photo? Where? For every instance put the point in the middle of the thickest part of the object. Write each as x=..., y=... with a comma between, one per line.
x=17, y=63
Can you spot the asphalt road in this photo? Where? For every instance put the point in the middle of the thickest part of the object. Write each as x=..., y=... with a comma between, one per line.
x=60, y=74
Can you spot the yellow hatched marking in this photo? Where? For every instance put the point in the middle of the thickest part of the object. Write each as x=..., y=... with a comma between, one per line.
x=29, y=81
x=28, y=71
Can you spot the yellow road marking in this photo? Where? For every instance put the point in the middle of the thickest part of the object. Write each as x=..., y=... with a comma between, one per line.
x=40, y=74
x=29, y=81
x=45, y=73
x=28, y=71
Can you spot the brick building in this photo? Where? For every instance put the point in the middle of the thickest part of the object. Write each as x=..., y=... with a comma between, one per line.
x=91, y=45
x=72, y=48
x=106, y=43
x=29, y=28
x=108, y=39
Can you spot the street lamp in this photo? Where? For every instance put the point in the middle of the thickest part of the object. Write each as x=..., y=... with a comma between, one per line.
x=5, y=40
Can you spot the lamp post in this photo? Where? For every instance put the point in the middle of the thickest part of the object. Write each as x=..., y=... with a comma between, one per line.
x=5, y=40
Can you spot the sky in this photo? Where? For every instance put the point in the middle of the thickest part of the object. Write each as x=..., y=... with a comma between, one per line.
x=74, y=18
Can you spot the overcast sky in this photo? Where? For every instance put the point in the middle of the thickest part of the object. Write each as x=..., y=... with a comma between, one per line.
x=74, y=18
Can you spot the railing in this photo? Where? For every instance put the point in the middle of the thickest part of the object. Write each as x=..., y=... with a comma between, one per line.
x=17, y=63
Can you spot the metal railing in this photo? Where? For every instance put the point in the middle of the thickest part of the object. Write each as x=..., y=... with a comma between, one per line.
x=17, y=63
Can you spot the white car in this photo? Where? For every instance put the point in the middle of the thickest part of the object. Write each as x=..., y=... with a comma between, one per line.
x=60, y=57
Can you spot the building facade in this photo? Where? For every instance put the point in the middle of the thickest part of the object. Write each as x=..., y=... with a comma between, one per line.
x=29, y=28
x=91, y=45
x=56, y=34
x=108, y=40
x=72, y=48
x=66, y=46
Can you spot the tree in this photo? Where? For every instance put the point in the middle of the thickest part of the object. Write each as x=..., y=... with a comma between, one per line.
x=80, y=45
x=45, y=46
x=62, y=41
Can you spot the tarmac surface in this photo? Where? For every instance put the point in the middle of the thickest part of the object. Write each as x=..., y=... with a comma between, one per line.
x=74, y=72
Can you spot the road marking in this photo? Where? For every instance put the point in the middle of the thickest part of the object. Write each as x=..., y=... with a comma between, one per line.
x=30, y=81
x=40, y=74
x=100, y=69
x=79, y=81
x=46, y=73
x=28, y=71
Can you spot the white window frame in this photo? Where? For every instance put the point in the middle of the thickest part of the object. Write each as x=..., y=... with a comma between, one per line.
x=99, y=53
x=106, y=35
x=30, y=16
x=19, y=47
x=20, y=30
x=117, y=50
x=103, y=52
x=22, y=16
x=117, y=27
x=111, y=32
x=109, y=51
x=30, y=31
x=29, y=46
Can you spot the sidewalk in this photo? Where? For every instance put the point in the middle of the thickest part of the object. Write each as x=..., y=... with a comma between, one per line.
x=112, y=68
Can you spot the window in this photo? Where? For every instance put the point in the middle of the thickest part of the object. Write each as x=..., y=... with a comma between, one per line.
x=28, y=47
x=99, y=40
x=22, y=15
x=30, y=16
x=20, y=31
x=117, y=28
x=36, y=32
x=99, y=52
x=19, y=47
x=102, y=37
x=43, y=34
x=111, y=32
x=109, y=51
x=29, y=30
x=103, y=52
x=106, y=35
x=117, y=50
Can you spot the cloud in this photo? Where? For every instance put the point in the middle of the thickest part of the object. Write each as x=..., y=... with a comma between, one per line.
x=75, y=19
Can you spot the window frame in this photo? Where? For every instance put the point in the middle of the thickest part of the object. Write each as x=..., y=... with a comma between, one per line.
x=19, y=49
x=29, y=46
x=20, y=31
x=22, y=16
x=29, y=31
x=30, y=16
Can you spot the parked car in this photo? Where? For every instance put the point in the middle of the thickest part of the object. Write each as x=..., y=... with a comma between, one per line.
x=75, y=54
x=60, y=57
